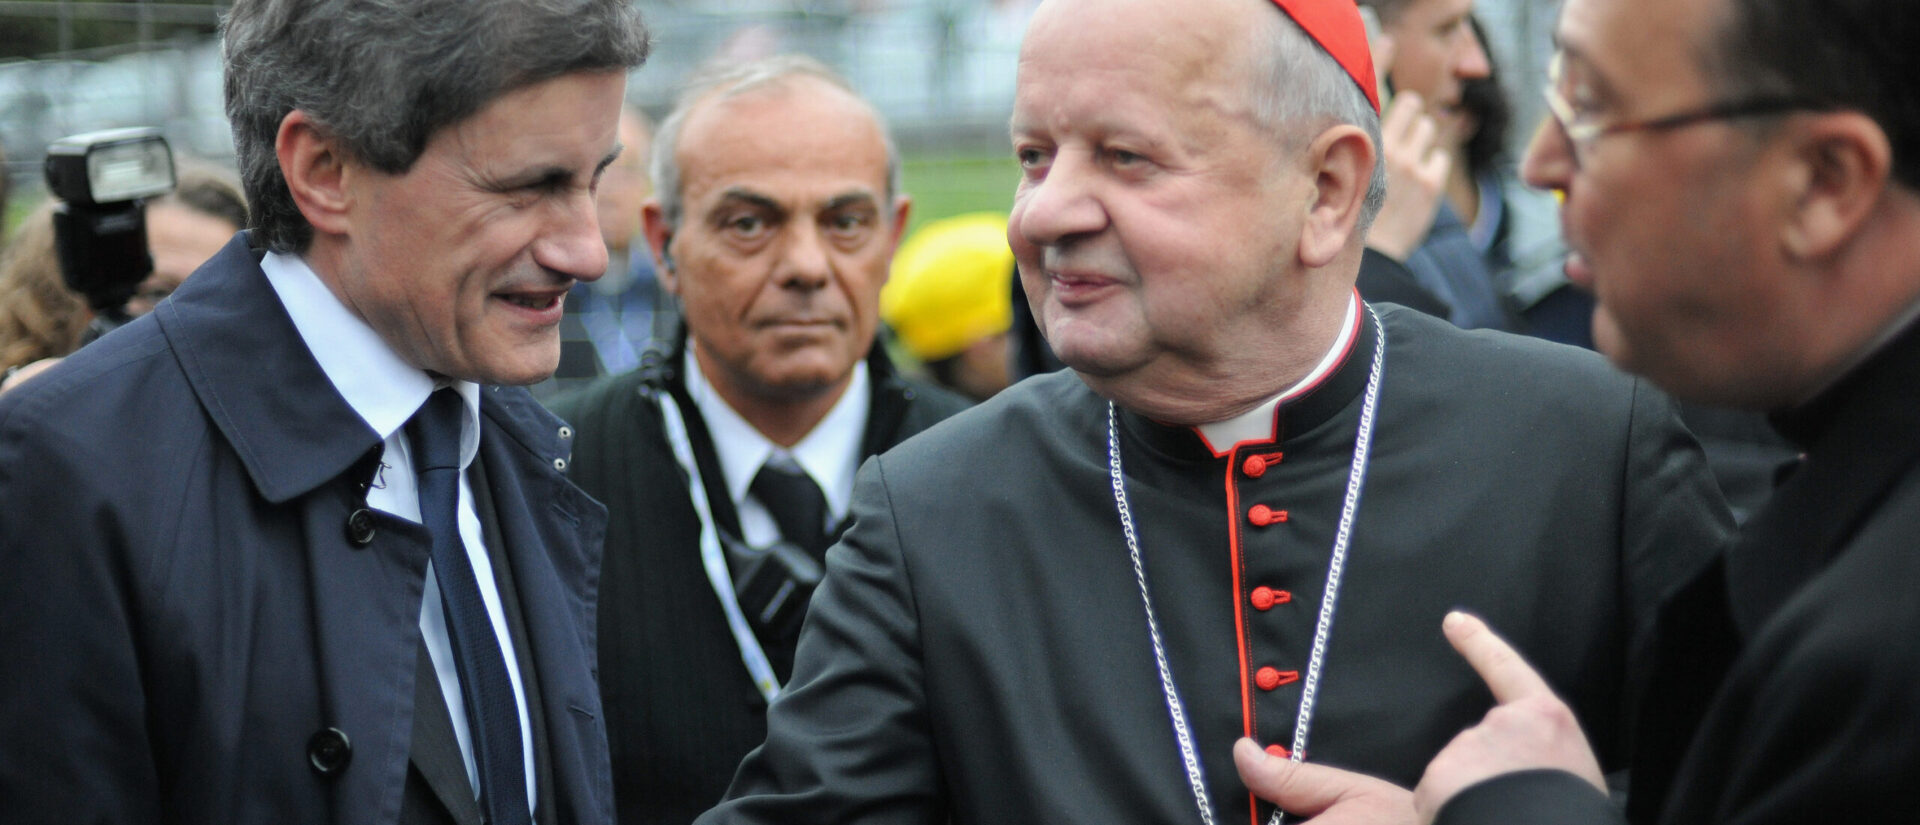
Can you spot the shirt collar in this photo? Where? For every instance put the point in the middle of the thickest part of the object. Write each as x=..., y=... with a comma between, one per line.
x=830, y=453
x=1258, y=423
x=376, y=382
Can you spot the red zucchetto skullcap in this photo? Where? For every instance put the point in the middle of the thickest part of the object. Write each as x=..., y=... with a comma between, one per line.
x=1336, y=26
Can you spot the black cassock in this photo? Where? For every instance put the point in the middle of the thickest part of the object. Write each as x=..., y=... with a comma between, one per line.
x=1784, y=680
x=979, y=649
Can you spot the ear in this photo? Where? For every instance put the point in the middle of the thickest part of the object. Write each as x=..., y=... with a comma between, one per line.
x=1842, y=162
x=1341, y=162
x=316, y=172
x=653, y=223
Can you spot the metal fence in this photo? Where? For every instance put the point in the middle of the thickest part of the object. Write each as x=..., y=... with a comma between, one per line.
x=940, y=70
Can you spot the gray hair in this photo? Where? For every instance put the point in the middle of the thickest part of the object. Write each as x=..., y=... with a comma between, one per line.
x=724, y=81
x=1298, y=86
x=383, y=76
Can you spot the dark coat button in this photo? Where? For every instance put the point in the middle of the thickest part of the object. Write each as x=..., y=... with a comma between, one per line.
x=360, y=527
x=329, y=751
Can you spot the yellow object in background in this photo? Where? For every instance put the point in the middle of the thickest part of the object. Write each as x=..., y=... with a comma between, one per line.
x=951, y=285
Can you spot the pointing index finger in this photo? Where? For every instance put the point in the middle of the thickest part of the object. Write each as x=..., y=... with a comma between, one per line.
x=1505, y=672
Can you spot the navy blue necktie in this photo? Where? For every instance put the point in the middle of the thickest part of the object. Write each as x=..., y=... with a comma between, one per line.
x=493, y=717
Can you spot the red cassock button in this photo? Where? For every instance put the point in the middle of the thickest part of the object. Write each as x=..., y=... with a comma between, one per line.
x=1255, y=466
x=1280, y=751
x=1269, y=678
x=1265, y=597
x=1261, y=515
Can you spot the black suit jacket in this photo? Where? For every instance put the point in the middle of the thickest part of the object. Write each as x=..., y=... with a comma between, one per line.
x=681, y=709
x=1786, y=680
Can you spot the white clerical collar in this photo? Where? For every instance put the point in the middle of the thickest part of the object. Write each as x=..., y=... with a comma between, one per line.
x=830, y=452
x=1258, y=423
x=383, y=388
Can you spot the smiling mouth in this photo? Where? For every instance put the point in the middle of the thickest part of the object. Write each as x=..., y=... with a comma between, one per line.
x=541, y=306
x=533, y=300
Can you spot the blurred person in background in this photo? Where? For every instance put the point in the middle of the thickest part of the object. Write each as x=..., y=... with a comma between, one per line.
x=949, y=301
x=42, y=320
x=609, y=322
x=5, y=182
x=188, y=226
x=1515, y=228
x=1435, y=53
x=727, y=458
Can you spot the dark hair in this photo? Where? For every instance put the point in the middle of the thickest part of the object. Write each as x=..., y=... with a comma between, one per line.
x=1486, y=101
x=209, y=190
x=383, y=76
x=1857, y=55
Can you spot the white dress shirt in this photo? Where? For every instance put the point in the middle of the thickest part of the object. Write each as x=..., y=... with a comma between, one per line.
x=1257, y=424
x=386, y=391
x=830, y=452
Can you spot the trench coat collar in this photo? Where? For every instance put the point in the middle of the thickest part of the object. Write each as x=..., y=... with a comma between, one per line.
x=270, y=399
x=256, y=379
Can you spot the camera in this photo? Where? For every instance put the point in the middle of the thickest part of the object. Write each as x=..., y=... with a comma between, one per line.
x=102, y=181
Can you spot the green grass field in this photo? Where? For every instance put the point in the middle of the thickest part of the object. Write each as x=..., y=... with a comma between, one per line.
x=946, y=186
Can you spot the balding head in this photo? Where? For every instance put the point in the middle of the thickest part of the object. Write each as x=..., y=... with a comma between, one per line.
x=728, y=80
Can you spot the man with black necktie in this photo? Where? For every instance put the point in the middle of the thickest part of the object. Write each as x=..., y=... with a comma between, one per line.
x=728, y=461
x=286, y=549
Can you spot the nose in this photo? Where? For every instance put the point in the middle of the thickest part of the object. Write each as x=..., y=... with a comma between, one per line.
x=804, y=262
x=1060, y=206
x=1549, y=162
x=570, y=244
x=1473, y=62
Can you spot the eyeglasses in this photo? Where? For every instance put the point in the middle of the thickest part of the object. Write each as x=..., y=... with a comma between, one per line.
x=1583, y=130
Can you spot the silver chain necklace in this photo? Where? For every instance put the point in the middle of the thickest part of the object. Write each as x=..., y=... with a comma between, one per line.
x=1356, y=477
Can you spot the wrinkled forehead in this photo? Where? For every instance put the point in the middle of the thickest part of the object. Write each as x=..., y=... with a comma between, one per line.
x=803, y=136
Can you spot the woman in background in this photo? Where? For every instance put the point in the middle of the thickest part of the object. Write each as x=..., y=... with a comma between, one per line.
x=41, y=320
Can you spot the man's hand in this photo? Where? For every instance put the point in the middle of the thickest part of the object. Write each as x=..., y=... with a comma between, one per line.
x=1529, y=728
x=1417, y=168
x=1326, y=796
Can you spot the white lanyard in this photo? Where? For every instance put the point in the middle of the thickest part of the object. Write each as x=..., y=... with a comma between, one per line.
x=1356, y=478
x=711, y=556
